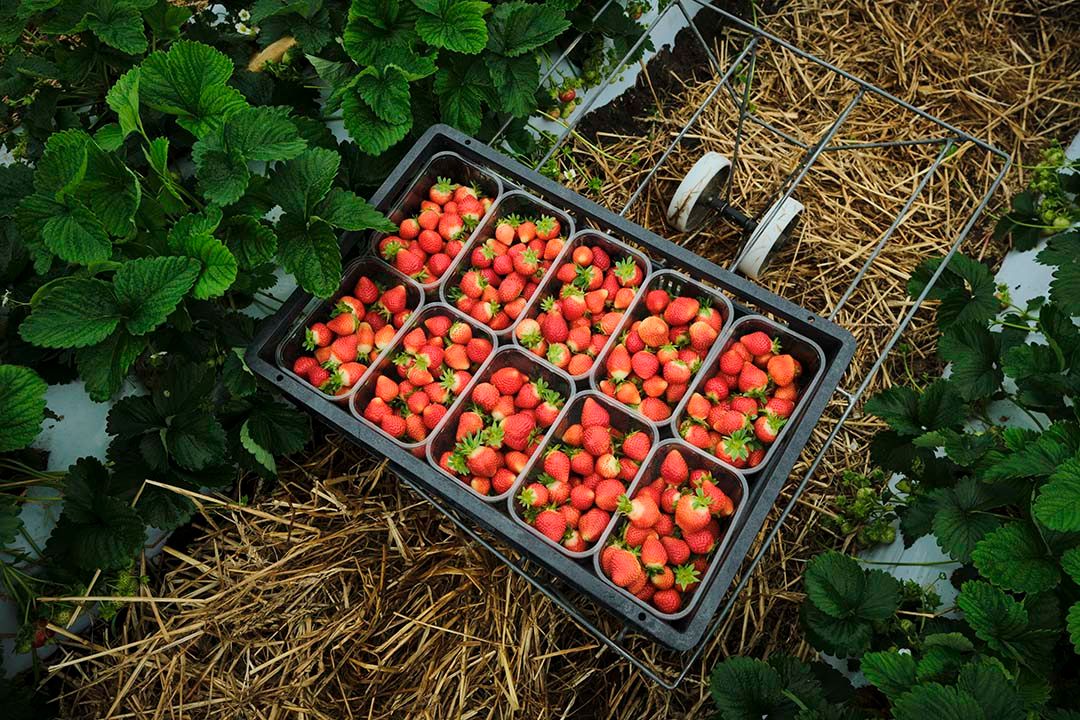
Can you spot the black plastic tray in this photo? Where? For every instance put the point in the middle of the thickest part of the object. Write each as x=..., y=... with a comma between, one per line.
x=836, y=344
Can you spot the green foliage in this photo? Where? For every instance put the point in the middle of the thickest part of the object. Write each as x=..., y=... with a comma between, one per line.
x=22, y=406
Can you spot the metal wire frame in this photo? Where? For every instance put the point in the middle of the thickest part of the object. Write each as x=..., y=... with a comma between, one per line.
x=757, y=38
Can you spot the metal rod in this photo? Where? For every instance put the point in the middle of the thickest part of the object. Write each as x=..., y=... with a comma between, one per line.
x=900, y=218
x=805, y=164
x=775, y=529
x=693, y=118
x=755, y=30
x=890, y=143
x=744, y=104
x=591, y=100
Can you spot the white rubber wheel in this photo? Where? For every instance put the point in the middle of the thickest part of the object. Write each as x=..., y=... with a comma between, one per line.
x=689, y=205
x=769, y=237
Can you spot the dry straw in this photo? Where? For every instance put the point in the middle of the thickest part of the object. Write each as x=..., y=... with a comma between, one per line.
x=344, y=596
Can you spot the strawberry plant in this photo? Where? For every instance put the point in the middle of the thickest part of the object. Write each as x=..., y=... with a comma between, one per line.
x=990, y=464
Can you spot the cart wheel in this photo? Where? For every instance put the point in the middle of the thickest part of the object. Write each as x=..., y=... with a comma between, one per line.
x=769, y=237
x=690, y=203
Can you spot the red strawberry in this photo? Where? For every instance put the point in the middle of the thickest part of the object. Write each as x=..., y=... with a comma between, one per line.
x=729, y=422
x=662, y=578
x=625, y=568
x=393, y=425
x=592, y=413
x=644, y=364
x=344, y=349
x=667, y=601
x=557, y=464
x=698, y=407
x=534, y=495
x=581, y=497
x=642, y=511
x=719, y=503
x=517, y=429
x=551, y=524
x=673, y=469
x=619, y=363
x=700, y=542
x=503, y=480
x=450, y=227
x=318, y=335
x=478, y=348
x=779, y=407
x=343, y=324
x=653, y=554
x=508, y=380
x=547, y=227
x=593, y=523
x=597, y=440
x=636, y=445
x=607, y=494
x=442, y=191
x=692, y=512
x=678, y=551
x=731, y=363
x=696, y=435
x=782, y=369
x=554, y=328
x=757, y=343
x=655, y=409
x=656, y=301
x=304, y=364
x=752, y=378
x=394, y=299
x=702, y=335
x=653, y=331
x=767, y=427
x=681, y=311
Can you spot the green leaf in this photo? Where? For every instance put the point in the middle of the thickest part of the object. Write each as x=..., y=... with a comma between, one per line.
x=517, y=27
x=937, y=701
x=744, y=689
x=962, y=519
x=251, y=242
x=370, y=132
x=63, y=164
x=279, y=428
x=118, y=25
x=166, y=19
x=261, y=454
x=189, y=81
x=839, y=587
x=966, y=290
x=462, y=88
x=996, y=618
x=22, y=407
x=942, y=654
x=456, y=25
x=1072, y=625
x=193, y=236
x=111, y=190
x=380, y=33
x=986, y=681
x=846, y=637
x=149, y=289
x=311, y=254
x=515, y=81
x=195, y=439
x=1034, y=455
x=939, y=407
x=386, y=92
x=263, y=133
x=1065, y=287
x=104, y=366
x=1070, y=563
x=301, y=183
x=1014, y=557
x=16, y=182
x=345, y=210
x=1058, y=504
x=109, y=137
x=74, y=312
x=973, y=352
x=95, y=529
x=134, y=415
x=222, y=173
x=889, y=671
x=123, y=98
x=10, y=522
x=236, y=375
x=75, y=234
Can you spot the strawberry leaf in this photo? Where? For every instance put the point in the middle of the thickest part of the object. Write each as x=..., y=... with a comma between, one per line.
x=515, y=81
x=518, y=27
x=261, y=454
x=380, y=32
x=195, y=440
x=10, y=520
x=938, y=407
x=193, y=237
x=22, y=407
x=986, y=681
x=965, y=288
x=95, y=530
x=149, y=289
x=1034, y=455
x=251, y=242
x=889, y=671
x=263, y=133
x=1026, y=631
x=961, y=519
x=104, y=366
x=311, y=253
x=462, y=88
x=123, y=98
x=73, y=233
x=1014, y=557
x=386, y=92
x=278, y=427
x=118, y=24
x=189, y=81
x=937, y=701
x=73, y=312
x=844, y=603
x=222, y=173
x=370, y=132
x=1058, y=504
x=456, y=25
x=301, y=183
x=974, y=353
x=237, y=377
x=745, y=688
x=345, y=210
x=63, y=164
x=1072, y=624
x=111, y=190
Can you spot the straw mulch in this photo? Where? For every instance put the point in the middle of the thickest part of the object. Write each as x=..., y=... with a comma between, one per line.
x=343, y=595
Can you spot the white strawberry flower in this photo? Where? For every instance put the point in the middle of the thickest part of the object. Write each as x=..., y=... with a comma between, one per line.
x=244, y=15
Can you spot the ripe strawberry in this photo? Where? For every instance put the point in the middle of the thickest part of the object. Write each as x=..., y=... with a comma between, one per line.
x=551, y=524
x=597, y=440
x=702, y=336
x=607, y=494
x=409, y=229
x=701, y=542
x=554, y=328
x=779, y=407
x=432, y=414
x=442, y=191
x=782, y=369
x=393, y=425
x=557, y=464
x=343, y=350
x=517, y=429
x=756, y=456
x=642, y=511
x=593, y=523
x=719, y=503
x=678, y=551
x=503, y=480
x=628, y=394
x=508, y=380
x=547, y=227
x=318, y=335
x=655, y=409
x=572, y=435
x=581, y=497
x=656, y=301
x=653, y=331
x=653, y=554
x=534, y=495
x=644, y=363
x=692, y=512
x=757, y=343
x=681, y=311
x=343, y=324
x=628, y=273
x=304, y=365
x=636, y=445
x=394, y=299
x=450, y=228
x=579, y=364
x=752, y=377
x=478, y=348
x=662, y=578
x=667, y=601
x=767, y=427
x=428, y=219
x=593, y=413
x=729, y=422
x=698, y=407
x=673, y=469
x=625, y=568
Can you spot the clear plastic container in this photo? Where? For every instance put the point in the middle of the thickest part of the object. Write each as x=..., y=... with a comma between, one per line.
x=552, y=286
x=514, y=202
x=442, y=438
x=318, y=310
x=730, y=481
x=621, y=420
x=447, y=165
x=806, y=351
x=366, y=388
x=676, y=284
